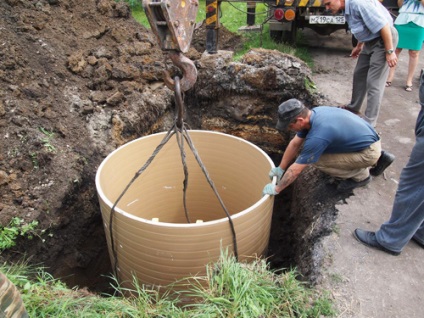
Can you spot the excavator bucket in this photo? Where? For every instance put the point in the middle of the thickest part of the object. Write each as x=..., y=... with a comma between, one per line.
x=172, y=22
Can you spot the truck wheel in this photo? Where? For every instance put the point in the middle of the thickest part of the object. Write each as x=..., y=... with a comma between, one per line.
x=276, y=36
x=11, y=304
x=290, y=36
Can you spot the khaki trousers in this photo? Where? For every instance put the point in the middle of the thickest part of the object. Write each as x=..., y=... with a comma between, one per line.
x=350, y=165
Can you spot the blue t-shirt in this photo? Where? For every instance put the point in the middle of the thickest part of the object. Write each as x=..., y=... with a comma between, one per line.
x=334, y=130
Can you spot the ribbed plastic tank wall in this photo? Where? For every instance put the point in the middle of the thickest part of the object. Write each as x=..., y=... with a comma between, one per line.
x=151, y=235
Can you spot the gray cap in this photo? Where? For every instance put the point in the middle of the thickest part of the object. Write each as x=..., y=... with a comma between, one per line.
x=288, y=111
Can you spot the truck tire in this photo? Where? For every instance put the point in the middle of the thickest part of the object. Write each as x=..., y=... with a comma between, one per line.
x=276, y=36
x=284, y=36
x=11, y=304
x=289, y=37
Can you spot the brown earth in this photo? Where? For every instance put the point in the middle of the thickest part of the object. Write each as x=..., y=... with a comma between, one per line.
x=80, y=78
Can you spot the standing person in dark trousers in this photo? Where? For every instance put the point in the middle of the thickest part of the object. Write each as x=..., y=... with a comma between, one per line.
x=372, y=25
x=407, y=219
x=333, y=140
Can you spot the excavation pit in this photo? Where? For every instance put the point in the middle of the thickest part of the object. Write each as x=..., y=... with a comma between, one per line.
x=152, y=237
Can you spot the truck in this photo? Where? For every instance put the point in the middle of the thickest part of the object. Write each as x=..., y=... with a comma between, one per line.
x=286, y=17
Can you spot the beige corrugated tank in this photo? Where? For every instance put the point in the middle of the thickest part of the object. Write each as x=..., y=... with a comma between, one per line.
x=151, y=235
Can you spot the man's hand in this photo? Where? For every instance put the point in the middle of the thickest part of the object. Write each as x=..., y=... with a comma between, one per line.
x=269, y=189
x=276, y=172
x=391, y=59
x=356, y=50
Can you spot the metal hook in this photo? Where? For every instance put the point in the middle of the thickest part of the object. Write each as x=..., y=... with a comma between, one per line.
x=188, y=69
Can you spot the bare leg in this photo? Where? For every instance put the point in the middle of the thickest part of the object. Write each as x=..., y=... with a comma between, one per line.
x=413, y=62
x=392, y=69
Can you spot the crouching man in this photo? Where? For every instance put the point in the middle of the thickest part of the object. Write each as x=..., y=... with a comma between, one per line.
x=334, y=140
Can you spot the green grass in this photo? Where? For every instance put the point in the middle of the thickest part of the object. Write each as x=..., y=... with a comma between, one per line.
x=44, y=296
x=233, y=16
x=229, y=289
x=233, y=289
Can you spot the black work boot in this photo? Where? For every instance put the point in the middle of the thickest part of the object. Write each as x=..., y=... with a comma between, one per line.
x=350, y=184
x=383, y=162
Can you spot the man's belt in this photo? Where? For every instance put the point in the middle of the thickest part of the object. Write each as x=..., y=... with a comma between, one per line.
x=373, y=41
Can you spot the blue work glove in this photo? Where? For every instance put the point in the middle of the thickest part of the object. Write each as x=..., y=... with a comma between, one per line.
x=276, y=172
x=269, y=189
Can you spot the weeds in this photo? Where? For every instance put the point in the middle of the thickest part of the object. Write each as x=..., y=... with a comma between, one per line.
x=310, y=85
x=16, y=227
x=34, y=160
x=46, y=141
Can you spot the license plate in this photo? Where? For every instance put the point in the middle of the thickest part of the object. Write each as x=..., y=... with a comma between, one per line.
x=327, y=19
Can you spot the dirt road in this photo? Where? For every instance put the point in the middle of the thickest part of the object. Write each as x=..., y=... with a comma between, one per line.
x=366, y=282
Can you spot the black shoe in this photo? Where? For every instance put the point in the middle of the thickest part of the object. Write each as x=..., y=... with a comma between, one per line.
x=383, y=162
x=346, y=107
x=418, y=242
x=350, y=184
x=368, y=238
